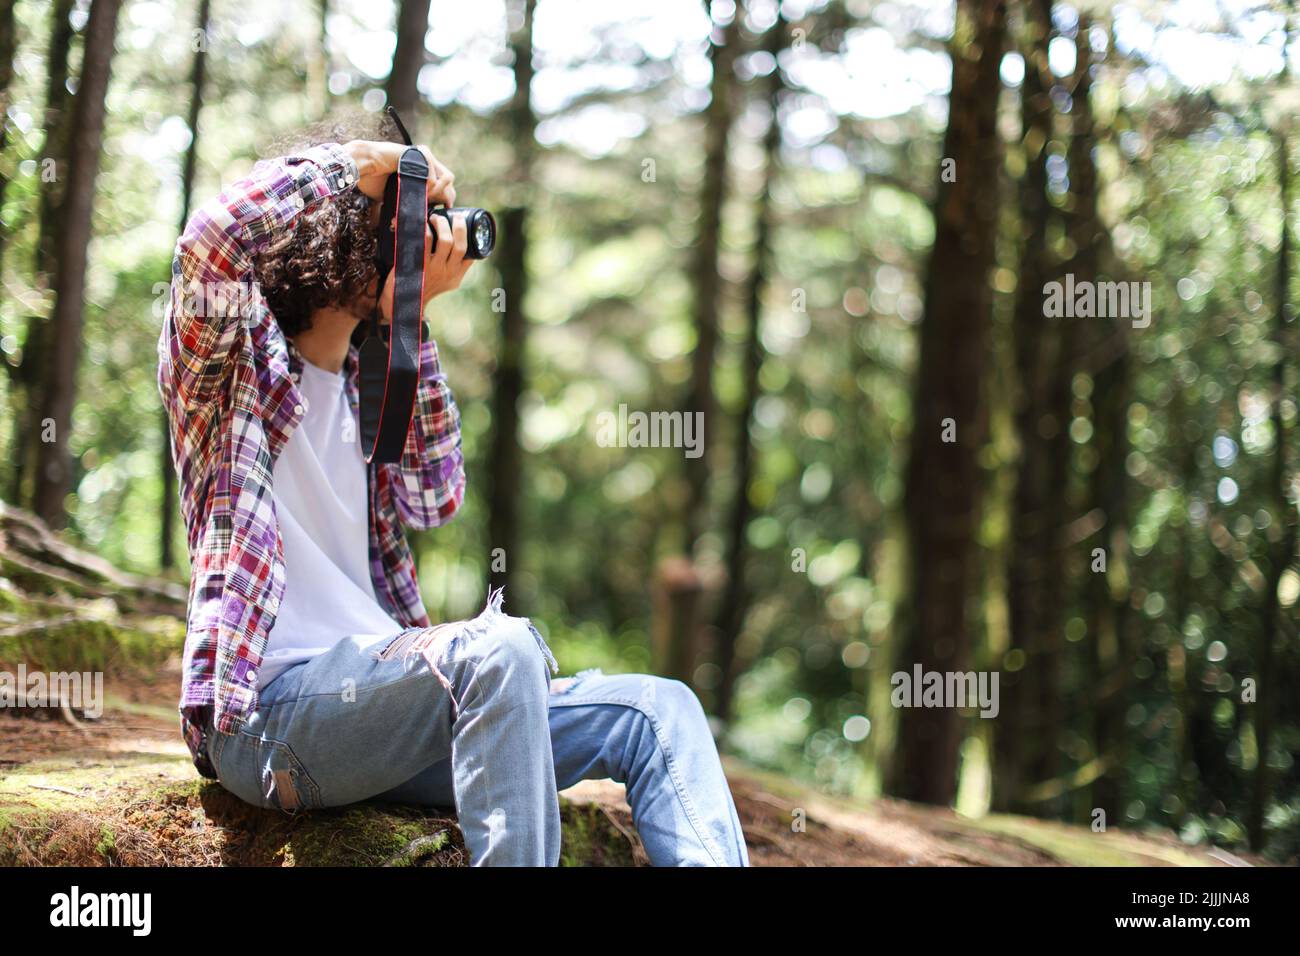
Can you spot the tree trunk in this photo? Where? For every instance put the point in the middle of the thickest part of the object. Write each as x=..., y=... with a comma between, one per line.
x=58, y=103
x=506, y=460
x=53, y=460
x=1181, y=665
x=942, y=480
x=8, y=46
x=704, y=278
x=408, y=57
x=167, y=522
x=27, y=380
x=1108, y=366
x=676, y=639
x=1267, y=685
x=1028, y=562
x=318, y=67
x=735, y=599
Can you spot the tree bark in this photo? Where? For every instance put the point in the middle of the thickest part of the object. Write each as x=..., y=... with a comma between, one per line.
x=318, y=67
x=675, y=626
x=53, y=460
x=731, y=609
x=1028, y=562
x=1267, y=684
x=8, y=46
x=26, y=381
x=942, y=479
x=58, y=103
x=506, y=458
x=1109, y=367
x=408, y=57
x=704, y=278
x=167, y=522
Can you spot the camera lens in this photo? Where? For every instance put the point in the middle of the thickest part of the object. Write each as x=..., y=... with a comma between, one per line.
x=484, y=234
x=480, y=227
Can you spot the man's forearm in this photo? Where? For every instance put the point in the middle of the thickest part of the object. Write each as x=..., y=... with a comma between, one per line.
x=429, y=482
x=213, y=264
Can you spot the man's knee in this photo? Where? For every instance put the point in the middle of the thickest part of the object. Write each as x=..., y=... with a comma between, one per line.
x=662, y=700
x=677, y=701
x=509, y=648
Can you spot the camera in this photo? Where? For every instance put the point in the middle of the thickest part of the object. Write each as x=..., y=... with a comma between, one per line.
x=480, y=228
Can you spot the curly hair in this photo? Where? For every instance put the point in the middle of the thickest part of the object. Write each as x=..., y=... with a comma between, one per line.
x=329, y=258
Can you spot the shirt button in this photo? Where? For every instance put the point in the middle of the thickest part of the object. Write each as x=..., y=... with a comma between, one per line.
x=298, y=409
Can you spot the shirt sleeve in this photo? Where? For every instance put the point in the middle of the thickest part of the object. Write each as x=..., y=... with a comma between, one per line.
x=428, y=484
x=212, y=285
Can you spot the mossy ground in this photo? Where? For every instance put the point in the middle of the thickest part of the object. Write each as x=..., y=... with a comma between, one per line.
x=146, y=813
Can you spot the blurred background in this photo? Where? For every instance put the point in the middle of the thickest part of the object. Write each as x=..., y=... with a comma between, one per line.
x=828, y=228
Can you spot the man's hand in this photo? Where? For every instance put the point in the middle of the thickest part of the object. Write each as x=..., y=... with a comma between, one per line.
x=446, y=266
x=377, y=161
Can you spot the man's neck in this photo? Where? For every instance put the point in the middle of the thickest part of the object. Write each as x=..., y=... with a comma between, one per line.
x=325, y=344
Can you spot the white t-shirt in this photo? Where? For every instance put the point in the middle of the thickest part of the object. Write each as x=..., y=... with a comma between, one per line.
x=319, y=489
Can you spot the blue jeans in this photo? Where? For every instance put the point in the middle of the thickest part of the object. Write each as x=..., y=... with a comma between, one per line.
x=465, y=714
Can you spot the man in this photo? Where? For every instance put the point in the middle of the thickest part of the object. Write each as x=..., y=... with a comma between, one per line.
x=312, y=676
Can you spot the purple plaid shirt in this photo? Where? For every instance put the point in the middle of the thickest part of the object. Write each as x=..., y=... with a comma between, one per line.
x=228, y=377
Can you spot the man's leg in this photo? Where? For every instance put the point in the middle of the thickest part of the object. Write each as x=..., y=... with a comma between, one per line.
x=357, y=721
x=649, y=733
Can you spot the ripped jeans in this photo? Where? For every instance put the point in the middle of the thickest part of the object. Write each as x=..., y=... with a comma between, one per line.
x=465, y=714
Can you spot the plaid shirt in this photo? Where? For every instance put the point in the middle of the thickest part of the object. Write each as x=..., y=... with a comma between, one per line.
x=228, y=377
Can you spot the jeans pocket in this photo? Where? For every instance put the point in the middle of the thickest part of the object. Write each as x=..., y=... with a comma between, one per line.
x=266, y=773
x=286, y=785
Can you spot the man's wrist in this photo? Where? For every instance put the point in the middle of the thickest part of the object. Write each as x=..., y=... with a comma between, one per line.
x=361, y=154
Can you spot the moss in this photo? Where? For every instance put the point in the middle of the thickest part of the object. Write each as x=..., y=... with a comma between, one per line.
x=95, y=644
x=107, y=843
x=589, y=838
x=38, y=583
x=66, y=783
x=12, y=604
x=1079, y=846
x=364, y=835
x=148, y=809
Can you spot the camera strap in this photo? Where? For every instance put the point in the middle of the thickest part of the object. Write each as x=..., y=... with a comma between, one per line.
x=389, y=364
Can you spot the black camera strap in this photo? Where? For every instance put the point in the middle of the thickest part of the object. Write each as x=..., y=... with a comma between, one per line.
x=389, y=365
